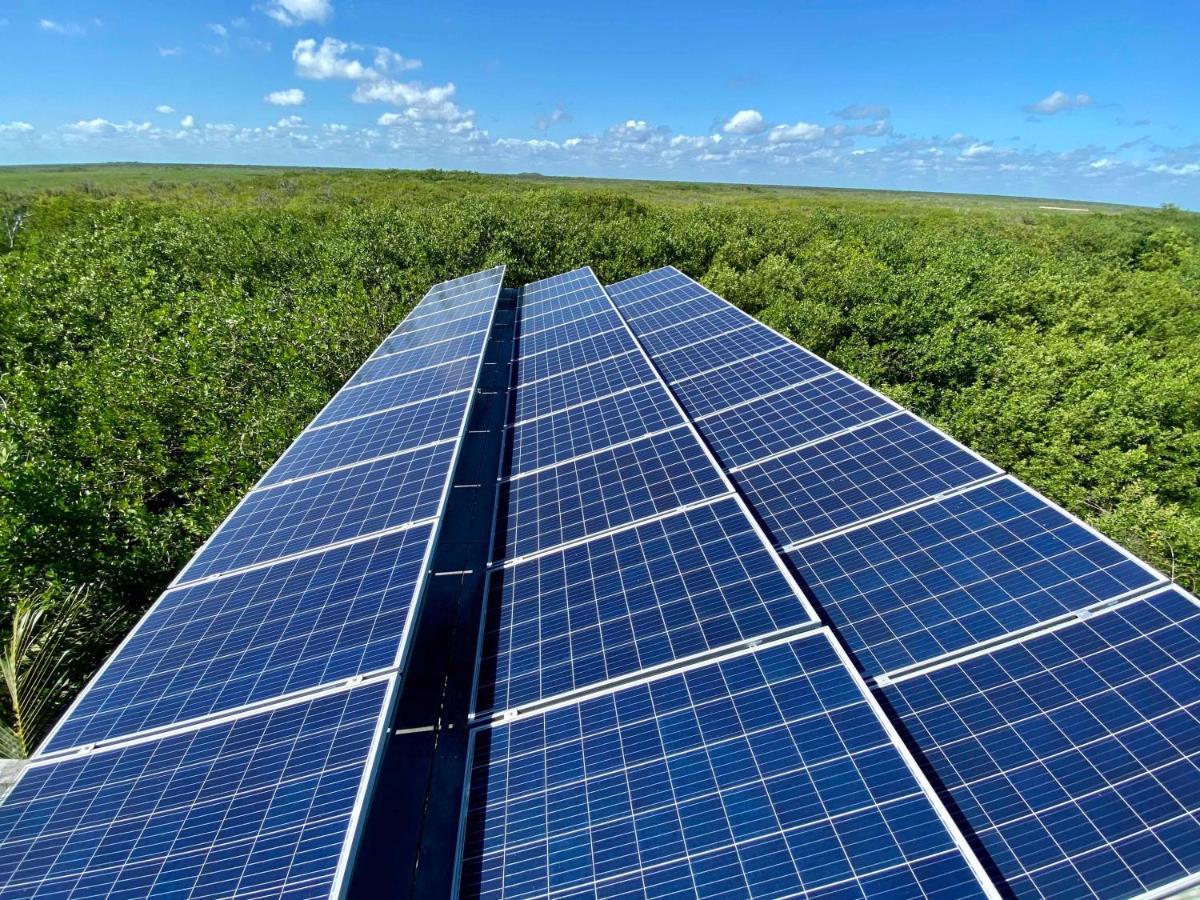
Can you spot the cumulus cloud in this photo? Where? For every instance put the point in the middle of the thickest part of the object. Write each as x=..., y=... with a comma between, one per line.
x=1058, y=102
x=290, y=122
x=1176, y=170
x=745, y=121
x=15, y=128
x=289, y=97
x=100, y=127
x=66, y=29
x=632, y=131
x=187, y=122
x=218, y=29
x=975, y=151
x=329, y=59
x=297, y=12
x=428, y=104
x=545, y=123
x=801, y=131
x=863, y=111
x=164, y=109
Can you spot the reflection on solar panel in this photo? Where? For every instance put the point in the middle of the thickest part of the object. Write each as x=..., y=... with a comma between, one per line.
x=763, y=774
x=740, y=626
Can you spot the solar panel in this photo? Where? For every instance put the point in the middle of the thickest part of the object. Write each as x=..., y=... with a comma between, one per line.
x=403, y=390
x=556, y=437
x=575, y=355
x=258, y=805
x=606, y=489
x=651, y=594
x=271, y=523
x=712, y=389
x=763, y=774
x=715, y=349
x=597, y=379
x=571, y=330
x=874, y=469
x=790, y=418
x=406, y=362
x=950, y=574
x=1075, y=754
x=221, y=644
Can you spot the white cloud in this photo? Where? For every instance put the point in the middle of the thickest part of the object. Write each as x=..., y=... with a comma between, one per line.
x=390, y=61
x=632, y=131
x=420, y=103
x=164, y=109
x=98, y=127
x=745, y=121
x=328, y=61
x=187, y=122
x=297, y=12
x=801, y=131
x=290, y=122
x=1185, y=169
x=1102, y=164
x=218, y=29
x=559, y=115
x=16, y=128
x=289, y=97
x=169, y=51
x=1058, y=102
x=68, y=29
x=975, y=151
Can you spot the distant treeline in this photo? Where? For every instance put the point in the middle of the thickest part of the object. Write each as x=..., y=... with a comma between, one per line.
x=162, y=341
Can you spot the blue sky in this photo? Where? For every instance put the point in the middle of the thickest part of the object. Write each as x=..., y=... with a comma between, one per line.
x=1093, y=100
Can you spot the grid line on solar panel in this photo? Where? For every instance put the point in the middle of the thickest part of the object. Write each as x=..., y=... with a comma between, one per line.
x=369, y=437
x=611, y=487
x=441, y=305
x=669, y=299
x=408, y=326
x=602, y=378
x=1074, y=754
x=393, y=393
x=386, y=349
x=676, y=314
x=244, y=639
x=591, y=427
x=566, y=333
x=560, y=315
x=764, y=773
x=366, y=381
x=575, y=355
x=957, y=572
x=728, y=347
x=636, y=599
x=699, y=328
x=557, y=409
x=409, y=362
x=253, y=804
x=722, y=365
x=300, y=517
x=842, y=480
x=764, y=437
x=416, y=339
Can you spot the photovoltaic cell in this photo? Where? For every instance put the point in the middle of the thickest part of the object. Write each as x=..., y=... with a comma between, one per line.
x=420, y=333
x=549, y=315
x=571, y=330
x=629, y=601
x=405, y=390
x=850, y=477
x=1075, y=755
x=259, y=806
x=613, y=487
x=221, y=644
x=688, y=332
x=573, y=356
x=731, y=346
x=791, y=417
x=765, y=774
x=322, y=510
x=676, y=310
x=675, y=292
x=350, y=442
x=580, y=385
x=408, y=361
x=592, y=426
x=718, y=388
x=966, y=569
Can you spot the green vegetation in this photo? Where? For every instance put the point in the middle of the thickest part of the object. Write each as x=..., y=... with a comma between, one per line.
x=166, y=331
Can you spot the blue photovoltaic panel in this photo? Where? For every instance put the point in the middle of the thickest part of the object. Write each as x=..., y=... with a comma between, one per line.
x=865, y=472
x=645, y=288
x=548, y=315
x=303, y=515
x=317, y=450
x=404, y=390
x=222, y=644
x=766, y=774
x=409, y=361
x=1075, y=755
x=260, y=806
x=592, y=426
x=580, y=385
x=628, y=601
x=674, y=311
x=573, y=356
x=791, y=417
x=607, y=489
x=744, y=379
x=418, y=332
x=718, y=349
x=663, y=295
x=970, y=568
x=709, y=326
x=569, y=331
x=558, y=290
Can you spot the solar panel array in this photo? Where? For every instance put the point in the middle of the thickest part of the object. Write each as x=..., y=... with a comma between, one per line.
x=226, y=747
x=1041, y=679
x=751, y=629
x=630, y=738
